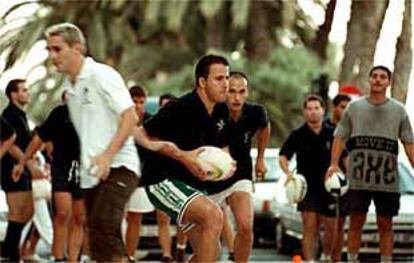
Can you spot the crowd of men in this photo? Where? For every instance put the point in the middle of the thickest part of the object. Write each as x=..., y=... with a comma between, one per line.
x=110, y=160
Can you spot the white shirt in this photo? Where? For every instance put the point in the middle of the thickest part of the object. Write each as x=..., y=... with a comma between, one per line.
x=96, y=103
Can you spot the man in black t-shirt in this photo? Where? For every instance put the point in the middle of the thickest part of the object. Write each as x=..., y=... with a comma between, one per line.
x=247, y=120
x=190, y=122
x=67, y=195
x=8, y=136
x=311, y=143
x=18, y=189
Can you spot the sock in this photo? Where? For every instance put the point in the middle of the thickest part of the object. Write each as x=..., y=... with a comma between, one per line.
x=352, y=257
x=325, y=257
x=231, y=256
x=179, y=246
x=386, y=259
x=12, y=240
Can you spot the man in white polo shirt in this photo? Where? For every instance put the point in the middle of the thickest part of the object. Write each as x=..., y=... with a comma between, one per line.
x=103, y=115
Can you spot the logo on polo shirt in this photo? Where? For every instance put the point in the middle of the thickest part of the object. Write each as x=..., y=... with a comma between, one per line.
x=86, y=96
x=220, y=125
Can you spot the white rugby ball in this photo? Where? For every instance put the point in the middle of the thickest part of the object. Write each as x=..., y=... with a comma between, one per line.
x=296, y=188
x=337, y=184
x=217, y=162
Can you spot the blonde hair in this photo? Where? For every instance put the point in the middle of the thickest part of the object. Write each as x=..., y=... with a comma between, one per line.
x=70, y=33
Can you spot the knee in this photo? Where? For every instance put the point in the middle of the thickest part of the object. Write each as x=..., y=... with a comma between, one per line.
x=214, y=218
x=384, y=226
x=78, y=220
x=62, y=216
x=245, y=228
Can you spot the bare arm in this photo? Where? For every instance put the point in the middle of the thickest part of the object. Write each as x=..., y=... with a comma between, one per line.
x=263, y=136
x=26, y=158
x=409, y=150
x=6, y=144
x=126, y=125
x=284, y=164
x=337, y=148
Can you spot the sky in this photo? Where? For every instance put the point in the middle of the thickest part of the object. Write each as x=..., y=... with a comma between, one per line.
x=384, y=55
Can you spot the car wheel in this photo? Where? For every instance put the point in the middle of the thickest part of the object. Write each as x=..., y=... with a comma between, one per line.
x=286, y=244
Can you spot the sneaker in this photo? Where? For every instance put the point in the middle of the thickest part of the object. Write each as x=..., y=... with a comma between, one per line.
x=231, y=257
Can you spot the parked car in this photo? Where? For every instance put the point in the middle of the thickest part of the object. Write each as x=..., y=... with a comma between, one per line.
x=289, y=228
x=266, y=218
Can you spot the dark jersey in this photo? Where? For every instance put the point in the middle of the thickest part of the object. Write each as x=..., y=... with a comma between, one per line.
x=18, y=120
x=59, y=130
x=253, y=118
x=313, y=153
x=6, y=131
x=187, y=123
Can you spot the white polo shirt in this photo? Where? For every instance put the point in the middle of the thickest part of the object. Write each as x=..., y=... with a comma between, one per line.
x=96, y=102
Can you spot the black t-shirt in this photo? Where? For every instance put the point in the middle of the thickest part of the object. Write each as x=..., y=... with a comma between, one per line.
x=6, y=131
x=59, y=130
x=253, y=118
x=313, y=153
x=18, y=120
x=187, y=123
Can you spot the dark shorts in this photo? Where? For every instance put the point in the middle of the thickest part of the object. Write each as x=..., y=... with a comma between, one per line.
x=312, y=202
x=66, y=180
x=333, y=207
x=386, y=203
x=24, y=183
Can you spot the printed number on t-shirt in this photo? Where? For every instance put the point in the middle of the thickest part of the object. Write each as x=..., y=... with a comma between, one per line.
x=369, y=168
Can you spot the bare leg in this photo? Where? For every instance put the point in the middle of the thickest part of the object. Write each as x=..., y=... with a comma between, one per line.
x=132, y=233
x=205, y=236
x=76, y=230
x=164, y=236
x=63, y=207
x=228, y=231
x=357, y=221
x=333, y=238
x=310, y=222
x=241, y=205
x=384, y=224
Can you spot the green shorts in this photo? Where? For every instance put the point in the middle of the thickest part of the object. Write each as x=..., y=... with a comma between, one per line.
x=173, y=197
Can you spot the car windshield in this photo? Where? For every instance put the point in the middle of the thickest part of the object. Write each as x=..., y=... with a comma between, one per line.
x=406, y=179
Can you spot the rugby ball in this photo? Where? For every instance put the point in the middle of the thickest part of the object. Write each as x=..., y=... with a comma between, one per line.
x=337, y=184
x=296, y=188
x=218, y=164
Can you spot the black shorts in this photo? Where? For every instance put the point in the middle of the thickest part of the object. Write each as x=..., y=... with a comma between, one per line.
x=386, y=203
x=312, y=201
x=332, y=207
x=66, y=179
x=24, y=183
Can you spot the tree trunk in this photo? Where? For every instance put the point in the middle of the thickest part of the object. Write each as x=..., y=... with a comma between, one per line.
x=258, y=41
x=403, y=58
x=363, y=32
x=321, y=40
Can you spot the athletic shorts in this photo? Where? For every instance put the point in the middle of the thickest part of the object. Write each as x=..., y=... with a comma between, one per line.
x=66, y=179
x=386, y=203
x=240, y=186
x=139, y=202
x=173, y=197
x=23, y=184
x=312, y=201
x=332, y=207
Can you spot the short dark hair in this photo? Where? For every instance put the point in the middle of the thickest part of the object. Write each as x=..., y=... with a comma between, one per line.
x=202, y=68
x=137, y=91
x=340, y=98
x=166, y=96
x=239, y=74
x=13, y=86
x=313, y=97
x=381, y=67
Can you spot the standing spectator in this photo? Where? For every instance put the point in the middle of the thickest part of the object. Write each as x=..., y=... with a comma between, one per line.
x=371, y=128
x=334, y=210
x=18, y=189
x=67, y=196
x=247, y=120
x=311, y=143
